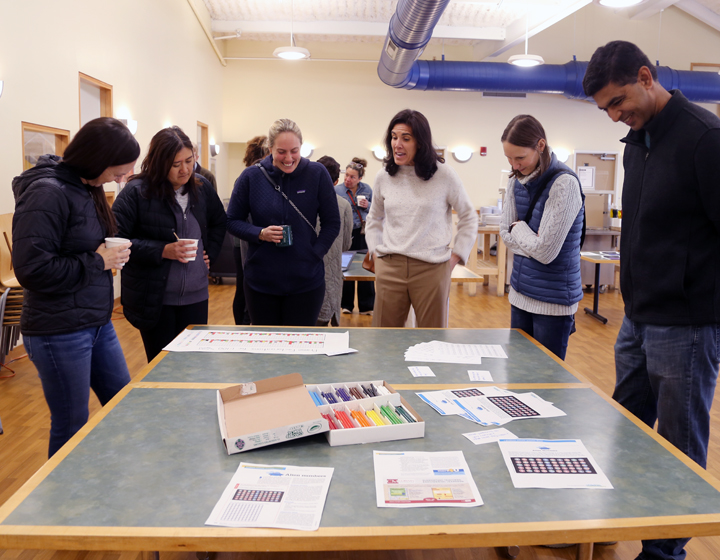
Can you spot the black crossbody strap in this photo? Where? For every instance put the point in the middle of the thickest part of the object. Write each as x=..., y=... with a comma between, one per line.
x=277, y=188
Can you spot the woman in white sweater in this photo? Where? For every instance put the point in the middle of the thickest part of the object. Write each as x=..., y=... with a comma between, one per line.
x=409, y=227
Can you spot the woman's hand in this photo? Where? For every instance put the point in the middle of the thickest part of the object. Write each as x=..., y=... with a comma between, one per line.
x=271, y=234
x=363, y=203
x=206, y=259
x=114, y=257
x=179, y=251
x=454, y=260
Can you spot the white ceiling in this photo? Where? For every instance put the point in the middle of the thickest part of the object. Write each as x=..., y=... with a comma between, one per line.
x=493, y=26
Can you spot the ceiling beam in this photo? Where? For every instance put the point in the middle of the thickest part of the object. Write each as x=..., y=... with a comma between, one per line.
x=537, y=23
x=648, y=9
x=351, y=28
x=699, y=11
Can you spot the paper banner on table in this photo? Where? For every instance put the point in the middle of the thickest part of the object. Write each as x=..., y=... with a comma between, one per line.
x=259, y=342
x=544, y=463
x=446, y=352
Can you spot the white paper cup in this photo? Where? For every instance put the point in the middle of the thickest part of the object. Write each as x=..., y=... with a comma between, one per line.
x=116, y=242
x=361, y=197
x=191, y=249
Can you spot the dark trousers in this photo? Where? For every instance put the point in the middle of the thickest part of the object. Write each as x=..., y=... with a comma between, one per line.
x=240, y=311
x=551, y=331
x=365, y=290
x=297, y=310
x=173, y=320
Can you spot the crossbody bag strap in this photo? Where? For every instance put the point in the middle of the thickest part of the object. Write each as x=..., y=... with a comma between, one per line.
x=355, y=204
x=277, y=188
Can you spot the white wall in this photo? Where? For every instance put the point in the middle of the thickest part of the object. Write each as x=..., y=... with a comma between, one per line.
x=343, y=108
x=154, y=54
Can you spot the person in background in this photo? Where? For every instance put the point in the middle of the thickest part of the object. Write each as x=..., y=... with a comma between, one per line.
x=666, y=354
x=330, y=310
x=409, y=227
x=359, y=195
x=162, y=209
x=200, y=170
x=285, y=194
x=256, y=150
x=545, y=286
x=61, y=220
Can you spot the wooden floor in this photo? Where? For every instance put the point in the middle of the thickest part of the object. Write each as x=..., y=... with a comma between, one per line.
x=25, y=419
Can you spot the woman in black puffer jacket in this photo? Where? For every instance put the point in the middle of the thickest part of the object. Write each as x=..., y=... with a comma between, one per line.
x=60, y=222
x=164, y=286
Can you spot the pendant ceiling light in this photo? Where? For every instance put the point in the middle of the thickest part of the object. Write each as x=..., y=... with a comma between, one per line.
x=619, y=3
x=292, y=52
x=526, y=59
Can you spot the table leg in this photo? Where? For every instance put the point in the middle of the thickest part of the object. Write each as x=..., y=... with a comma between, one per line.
x=486, y=255
x=150, y=555
x=584, y=551
x=502, y=266
x=594, y=311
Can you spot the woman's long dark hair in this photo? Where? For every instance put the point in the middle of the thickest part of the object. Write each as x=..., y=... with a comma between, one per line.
x=155, y=168
x=426, y=157
x=101, y=143
x=256, y=150
x=526, y=131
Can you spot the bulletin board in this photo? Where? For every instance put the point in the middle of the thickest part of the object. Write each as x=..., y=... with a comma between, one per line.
x=605, y=164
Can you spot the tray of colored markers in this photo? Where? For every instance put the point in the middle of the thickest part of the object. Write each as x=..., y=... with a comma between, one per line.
x=365, y=412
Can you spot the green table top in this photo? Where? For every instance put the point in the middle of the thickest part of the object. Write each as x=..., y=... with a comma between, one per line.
x=156, y=460
x=380, y=356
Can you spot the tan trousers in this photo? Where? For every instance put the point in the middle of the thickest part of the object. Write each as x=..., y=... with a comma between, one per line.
x=402, y=281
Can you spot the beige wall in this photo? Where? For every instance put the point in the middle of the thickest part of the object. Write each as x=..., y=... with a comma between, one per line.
x=154, y=54
x=343, y=108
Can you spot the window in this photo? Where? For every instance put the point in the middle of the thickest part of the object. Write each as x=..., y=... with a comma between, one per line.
x=95, y=99
x=39, y=140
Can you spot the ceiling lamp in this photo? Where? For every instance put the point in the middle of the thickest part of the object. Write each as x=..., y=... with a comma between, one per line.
x=462, y=154
x=306, y=150
x=292, y=52
x=526, y=60
x=619, y=3
x=379, y=153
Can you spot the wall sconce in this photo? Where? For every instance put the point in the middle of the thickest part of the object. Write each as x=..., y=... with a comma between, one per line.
x=131, y=124
x=561, y=154
x=379, y=153
x=462, y=154
x=306, y=150
x=214, y=149
x=1, y=87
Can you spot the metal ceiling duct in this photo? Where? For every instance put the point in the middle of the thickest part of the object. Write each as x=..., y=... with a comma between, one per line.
x=411, y=28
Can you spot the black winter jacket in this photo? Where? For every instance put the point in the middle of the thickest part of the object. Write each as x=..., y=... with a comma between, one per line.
x=670, y=243
x=150, y=224
x=56, y=233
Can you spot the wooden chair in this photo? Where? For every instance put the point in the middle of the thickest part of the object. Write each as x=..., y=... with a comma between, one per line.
x=7, y=274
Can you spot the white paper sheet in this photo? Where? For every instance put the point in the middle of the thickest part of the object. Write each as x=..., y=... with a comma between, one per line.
x=497, y=410
x=479, y=375
x=444, y=401
x=446, y=352
x=277, y=496
x=545, y=463
x=257, y=342
x=424, y=479
x=490, y=436
x=421, y=371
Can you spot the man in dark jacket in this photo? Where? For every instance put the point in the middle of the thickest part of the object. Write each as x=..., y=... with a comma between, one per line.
x=666, y=354
x=200, y=170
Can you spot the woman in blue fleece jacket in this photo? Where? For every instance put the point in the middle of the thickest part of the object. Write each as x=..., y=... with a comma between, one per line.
x=284, y=284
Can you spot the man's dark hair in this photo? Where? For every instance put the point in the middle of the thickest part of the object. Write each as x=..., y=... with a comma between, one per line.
x=618, y=62
x=426, y=156
x=332, y=166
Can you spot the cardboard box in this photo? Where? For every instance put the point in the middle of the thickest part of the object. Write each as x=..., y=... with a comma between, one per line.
x=268, y=411
x=373, y=434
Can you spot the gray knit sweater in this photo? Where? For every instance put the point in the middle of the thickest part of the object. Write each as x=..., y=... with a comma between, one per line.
x=413, y=217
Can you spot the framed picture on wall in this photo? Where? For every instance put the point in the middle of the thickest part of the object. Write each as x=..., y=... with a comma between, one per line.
x=440, y=150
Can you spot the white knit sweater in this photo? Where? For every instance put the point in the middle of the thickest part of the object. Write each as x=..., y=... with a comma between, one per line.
x=413, y=217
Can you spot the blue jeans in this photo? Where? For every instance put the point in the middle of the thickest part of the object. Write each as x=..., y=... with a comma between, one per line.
x=70, y=365
x=552, y=331
x=668, y=374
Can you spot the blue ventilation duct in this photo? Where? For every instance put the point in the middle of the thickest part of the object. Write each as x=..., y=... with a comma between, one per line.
x=411, y=28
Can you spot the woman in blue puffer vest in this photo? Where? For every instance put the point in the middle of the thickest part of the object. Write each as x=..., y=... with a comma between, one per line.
x=542, y=225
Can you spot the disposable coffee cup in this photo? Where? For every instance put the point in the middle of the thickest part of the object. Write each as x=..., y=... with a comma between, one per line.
x=190, y=249
x=361, y=197
x=116, y=242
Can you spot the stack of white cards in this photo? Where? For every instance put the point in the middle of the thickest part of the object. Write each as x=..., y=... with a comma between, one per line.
x=446, y=352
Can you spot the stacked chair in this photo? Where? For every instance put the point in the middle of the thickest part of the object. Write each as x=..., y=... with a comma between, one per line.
x=11, y=295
